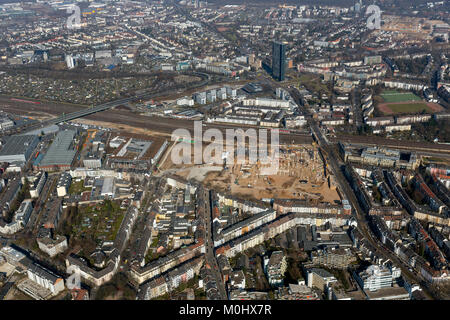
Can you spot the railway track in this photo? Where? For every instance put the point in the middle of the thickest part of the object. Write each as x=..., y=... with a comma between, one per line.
x=99, y=108
x=398, y=144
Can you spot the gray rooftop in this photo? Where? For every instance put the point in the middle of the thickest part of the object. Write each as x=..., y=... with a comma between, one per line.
x=60, y=152
x=46, y=130
x=321, y=272
x=17, y=145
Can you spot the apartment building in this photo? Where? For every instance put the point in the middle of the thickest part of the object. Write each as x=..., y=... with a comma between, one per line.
x=275, y=267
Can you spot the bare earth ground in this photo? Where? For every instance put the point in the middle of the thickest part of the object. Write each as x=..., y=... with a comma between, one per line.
x=121, y=127
x=283, y=187
x=384, y=107
x=294, y=179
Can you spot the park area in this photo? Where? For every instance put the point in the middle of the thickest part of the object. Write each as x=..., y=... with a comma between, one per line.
x=88, y=226
x=99, y=222
x=396, y=102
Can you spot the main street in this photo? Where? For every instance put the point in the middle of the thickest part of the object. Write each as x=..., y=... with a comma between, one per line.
x=332, y=159
x=204, y=204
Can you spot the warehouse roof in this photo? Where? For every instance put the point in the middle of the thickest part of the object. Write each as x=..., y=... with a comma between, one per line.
x=17, y=145
x=60, y=152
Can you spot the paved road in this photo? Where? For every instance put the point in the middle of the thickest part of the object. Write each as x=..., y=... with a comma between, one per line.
x=363, y=225
x=48, y=189
x=356, y=105
x=359, y=214
x=204, y=203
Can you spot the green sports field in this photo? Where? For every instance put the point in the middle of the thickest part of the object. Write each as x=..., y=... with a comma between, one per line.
x=395, y=96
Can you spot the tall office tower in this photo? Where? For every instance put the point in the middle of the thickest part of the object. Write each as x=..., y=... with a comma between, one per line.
x=278, y=60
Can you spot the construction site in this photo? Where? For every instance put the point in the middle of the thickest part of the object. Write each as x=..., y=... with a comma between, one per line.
x=301, y=174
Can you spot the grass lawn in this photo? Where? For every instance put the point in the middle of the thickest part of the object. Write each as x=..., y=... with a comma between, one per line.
x=101, y=221
x=151, y=256
x=409, y=107
x=395, y=96
x=313, y=83
x=77, y=187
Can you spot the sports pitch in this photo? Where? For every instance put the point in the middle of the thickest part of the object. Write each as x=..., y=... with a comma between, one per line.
x=395, y=96
x=413, y=107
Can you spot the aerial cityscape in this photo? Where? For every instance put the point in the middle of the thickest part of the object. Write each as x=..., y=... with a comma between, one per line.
x=224, y=150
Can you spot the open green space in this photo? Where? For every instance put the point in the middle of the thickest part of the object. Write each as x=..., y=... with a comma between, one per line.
x=313, y=83
x=77, y=187
x=98, y=222
x=396, y=96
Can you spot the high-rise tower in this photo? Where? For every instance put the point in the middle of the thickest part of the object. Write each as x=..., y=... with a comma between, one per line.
x=278, y=60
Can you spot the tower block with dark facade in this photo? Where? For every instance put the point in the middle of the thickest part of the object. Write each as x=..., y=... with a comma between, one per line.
x=278, y=60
